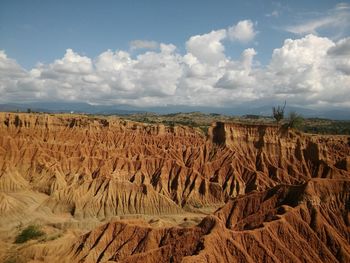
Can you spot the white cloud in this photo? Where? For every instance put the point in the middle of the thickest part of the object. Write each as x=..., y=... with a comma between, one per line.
x=247, y=57
x=307, y=71
x=143, y=44
x=158, y=73
x=9, y=67
x=243, y=32
x=341, y=49
x=72, y=63
x=238, y=75
x=296, y=55
x=336, y=19
x=113, y=61
x=208, y=47
x=297, y=66
x=340, y=55
x=303, y=71
x=313, y=25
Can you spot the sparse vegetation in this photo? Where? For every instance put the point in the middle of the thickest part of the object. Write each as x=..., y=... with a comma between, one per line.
x=203, y=121
x=204, y=129
x=30, y=232
x=325, y=126
x=18, y=122
x=191, y=119
x=295, y=120
x=278, y=113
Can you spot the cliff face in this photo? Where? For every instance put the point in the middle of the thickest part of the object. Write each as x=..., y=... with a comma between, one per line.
x=270, y=155
x=263, y=177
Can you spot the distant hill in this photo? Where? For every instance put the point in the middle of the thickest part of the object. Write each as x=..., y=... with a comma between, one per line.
x=79, y=107
x=61, y=107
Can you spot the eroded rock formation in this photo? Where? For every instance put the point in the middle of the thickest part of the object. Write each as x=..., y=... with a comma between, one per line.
x=280, y=191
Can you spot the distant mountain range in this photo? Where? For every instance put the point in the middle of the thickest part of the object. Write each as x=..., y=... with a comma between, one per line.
x=61, y=107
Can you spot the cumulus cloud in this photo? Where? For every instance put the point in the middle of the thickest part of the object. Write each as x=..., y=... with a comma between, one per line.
x=298, y=54
x=311, y=70
x=207, y=48
x=303, y=70
x=9, y=67
x=71, y=63
x=341, y=49
x=243, y=31
x=340, y=55
x=15, y=82
x=238, y=74
x=143, y=44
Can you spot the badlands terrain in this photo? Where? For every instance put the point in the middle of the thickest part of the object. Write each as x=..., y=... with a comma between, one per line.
x=103, y=189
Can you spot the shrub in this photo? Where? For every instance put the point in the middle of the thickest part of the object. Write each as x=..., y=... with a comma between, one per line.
x=30, y=232
x=295, y=120
x=18, y=121
x=278, y=113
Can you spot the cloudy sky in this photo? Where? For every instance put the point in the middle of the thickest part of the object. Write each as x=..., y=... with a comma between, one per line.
x=193, y=53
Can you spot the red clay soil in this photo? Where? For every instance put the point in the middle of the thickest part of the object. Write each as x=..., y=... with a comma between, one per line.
x=284, y=195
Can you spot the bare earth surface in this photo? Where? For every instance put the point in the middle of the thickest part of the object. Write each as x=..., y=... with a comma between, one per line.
x=110, y=190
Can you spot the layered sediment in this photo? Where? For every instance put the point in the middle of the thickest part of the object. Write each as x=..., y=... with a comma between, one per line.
x=279, y=190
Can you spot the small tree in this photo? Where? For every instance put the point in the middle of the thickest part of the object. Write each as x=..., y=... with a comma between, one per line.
x=278, y=113
x=295, y=120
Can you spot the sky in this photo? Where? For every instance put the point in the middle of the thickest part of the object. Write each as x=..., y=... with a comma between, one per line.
x=161, y=53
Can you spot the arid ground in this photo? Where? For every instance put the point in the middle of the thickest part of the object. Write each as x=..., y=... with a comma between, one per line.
x=105, y=189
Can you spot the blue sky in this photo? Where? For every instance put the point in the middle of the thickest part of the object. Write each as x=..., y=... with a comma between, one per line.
x=48, y=28
x=243, y=42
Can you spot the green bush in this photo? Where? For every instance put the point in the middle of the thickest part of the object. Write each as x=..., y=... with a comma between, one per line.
x=30, y=232
x=295, y=120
